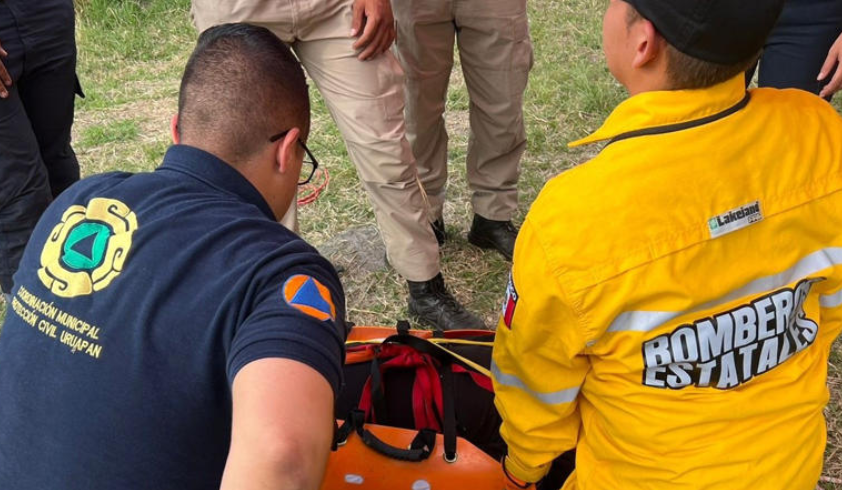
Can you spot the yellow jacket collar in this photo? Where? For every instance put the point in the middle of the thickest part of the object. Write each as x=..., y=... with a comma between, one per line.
x=650, y=110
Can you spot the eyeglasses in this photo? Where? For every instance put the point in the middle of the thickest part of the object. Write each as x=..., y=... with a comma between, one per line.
x=306, y=175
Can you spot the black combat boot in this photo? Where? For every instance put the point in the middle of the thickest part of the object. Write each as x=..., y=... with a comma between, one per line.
x=499, y=235
x=433, y=305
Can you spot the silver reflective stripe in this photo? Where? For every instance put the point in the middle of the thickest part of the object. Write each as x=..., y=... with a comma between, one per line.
x=553, y=398
x=831, y=300
x=640, y=321
x=645, y=321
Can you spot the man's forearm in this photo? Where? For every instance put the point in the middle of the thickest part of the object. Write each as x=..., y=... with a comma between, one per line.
x=282, y=427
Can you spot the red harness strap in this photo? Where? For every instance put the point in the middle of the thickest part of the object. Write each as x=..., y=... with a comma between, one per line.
x=426, y=390
x=481, y=380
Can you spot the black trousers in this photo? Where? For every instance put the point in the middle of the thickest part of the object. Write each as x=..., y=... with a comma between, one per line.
x=36, y=159
x=798, y=45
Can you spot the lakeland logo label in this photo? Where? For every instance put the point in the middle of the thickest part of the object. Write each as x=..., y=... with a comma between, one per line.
x=88, y=249
x=735, y=219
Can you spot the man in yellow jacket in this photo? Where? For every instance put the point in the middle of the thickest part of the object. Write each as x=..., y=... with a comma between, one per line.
x=674, y=300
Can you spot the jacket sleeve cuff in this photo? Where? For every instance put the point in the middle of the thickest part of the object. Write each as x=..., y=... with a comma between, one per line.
x=524, y=472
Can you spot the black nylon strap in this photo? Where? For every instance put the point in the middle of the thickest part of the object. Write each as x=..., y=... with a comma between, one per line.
x=421, y=448
x=334, y=445
x=449, y=401
x=378, y=394
x=402, y=327
x=348, y=426
x=425, y=347
x=448, y=393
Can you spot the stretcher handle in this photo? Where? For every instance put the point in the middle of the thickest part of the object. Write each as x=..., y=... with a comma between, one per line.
x=419, y=450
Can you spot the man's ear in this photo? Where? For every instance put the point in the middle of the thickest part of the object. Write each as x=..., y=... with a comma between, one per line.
x=174, y=129
x=285, y=152
x=649, y=44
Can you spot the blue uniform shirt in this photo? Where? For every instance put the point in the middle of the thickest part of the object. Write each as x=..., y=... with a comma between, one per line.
x=138, y=299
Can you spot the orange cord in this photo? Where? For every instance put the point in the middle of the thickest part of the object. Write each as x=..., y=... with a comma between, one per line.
x=308, y=193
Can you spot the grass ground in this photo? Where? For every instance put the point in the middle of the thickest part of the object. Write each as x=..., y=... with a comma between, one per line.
x=131, y=55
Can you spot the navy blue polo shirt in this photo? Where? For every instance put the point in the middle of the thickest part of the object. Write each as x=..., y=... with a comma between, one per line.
x=138, y=299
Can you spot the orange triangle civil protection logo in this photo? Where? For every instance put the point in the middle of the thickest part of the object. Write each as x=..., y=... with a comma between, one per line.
x=310, y=297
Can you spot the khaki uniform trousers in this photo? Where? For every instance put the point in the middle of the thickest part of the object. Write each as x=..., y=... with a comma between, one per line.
x=496, y=55
x=366, y=100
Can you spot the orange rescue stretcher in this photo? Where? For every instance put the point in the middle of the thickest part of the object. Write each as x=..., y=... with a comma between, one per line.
x=368, y=456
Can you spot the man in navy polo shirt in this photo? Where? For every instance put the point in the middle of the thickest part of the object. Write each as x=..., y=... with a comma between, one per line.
x=165, y=332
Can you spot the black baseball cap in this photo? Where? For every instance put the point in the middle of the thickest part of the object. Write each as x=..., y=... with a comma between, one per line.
x=719, y=31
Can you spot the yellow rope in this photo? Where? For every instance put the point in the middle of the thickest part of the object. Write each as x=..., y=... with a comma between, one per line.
x=437, y=342
x=476, y=367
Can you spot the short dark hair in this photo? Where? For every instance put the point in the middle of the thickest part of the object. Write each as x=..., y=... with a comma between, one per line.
x=241, y=85
x=686, y=72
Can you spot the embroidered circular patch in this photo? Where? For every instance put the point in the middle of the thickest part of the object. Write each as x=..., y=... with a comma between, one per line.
x=88, y=249
x=309, y=296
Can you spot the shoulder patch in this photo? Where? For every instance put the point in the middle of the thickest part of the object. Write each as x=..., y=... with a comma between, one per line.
x=510, y=303
x=309, y=296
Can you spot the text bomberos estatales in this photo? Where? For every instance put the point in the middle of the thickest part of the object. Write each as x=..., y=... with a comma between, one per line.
x=729, y=348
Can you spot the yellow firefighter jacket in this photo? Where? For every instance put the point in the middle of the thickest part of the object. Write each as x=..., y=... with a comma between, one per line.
x=673, y=301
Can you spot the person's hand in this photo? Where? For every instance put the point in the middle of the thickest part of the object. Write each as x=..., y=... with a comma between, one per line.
x=5, y=79
x=834, y=58
x=374, y=18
